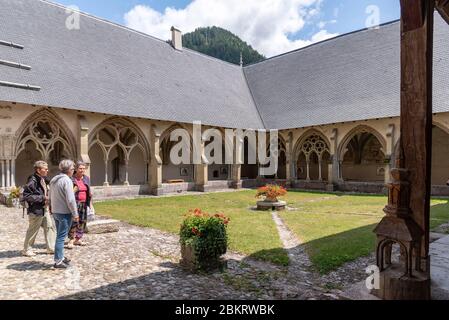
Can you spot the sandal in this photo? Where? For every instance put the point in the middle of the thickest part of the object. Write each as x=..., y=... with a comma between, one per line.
x=80, y=243
x=70, y=244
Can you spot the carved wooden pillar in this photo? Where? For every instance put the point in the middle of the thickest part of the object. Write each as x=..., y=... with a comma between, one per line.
x=407, y=220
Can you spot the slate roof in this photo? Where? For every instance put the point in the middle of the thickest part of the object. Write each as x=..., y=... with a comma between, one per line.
x=107, y=68
x=352, y=77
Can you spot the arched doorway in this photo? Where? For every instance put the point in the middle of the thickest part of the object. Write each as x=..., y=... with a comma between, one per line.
x=43, y=136
x=175, y=172
x=119, y=154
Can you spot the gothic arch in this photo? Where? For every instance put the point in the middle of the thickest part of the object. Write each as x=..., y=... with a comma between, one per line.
x=343, y=147
x=361, y=155
x=310, y=155
x=171, y=171
x=118, y=125
x=124, y=150
x=323, y=146
x=42, y=136
x=45, y=142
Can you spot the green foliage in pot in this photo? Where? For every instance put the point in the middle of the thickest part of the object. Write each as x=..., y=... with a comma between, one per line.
x=206, y=235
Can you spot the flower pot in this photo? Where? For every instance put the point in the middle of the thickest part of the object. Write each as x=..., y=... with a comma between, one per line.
x=267, y=199
x=190, y=262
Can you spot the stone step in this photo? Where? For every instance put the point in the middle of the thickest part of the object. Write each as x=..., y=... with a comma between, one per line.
x=103, y=226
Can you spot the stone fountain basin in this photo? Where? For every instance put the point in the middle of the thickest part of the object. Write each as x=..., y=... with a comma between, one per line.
x=271, y=205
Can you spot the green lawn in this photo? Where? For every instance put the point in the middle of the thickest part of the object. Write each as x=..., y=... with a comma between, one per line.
x=338, y=228
x=335, y=228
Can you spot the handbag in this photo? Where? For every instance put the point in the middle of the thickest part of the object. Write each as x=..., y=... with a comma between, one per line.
x=90, y=213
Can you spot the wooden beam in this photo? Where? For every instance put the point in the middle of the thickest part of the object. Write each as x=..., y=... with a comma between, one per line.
x=443, y=9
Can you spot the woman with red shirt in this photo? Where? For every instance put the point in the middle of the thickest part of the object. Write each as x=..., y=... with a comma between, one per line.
x=83, y=196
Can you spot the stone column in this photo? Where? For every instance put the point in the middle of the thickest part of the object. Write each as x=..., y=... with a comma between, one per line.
x=320, y=175
x=83, y=150
x=3, y=173
x=8, y=173
x=106, y=182
x=334, y=167
x=340, y=171
x=388, y=153
x=126, y=183
x=308, y=168
x=236, y=170
x=13, y=172
x=202, y=172
x=387, y=164
x=236, y=167
x=155, y=165
x=289, y=161
x=331, y=174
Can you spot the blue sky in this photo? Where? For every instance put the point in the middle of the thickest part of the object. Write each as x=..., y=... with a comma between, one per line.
x=333, y=17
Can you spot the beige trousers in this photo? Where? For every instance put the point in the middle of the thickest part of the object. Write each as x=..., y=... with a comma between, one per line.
x=35, y=223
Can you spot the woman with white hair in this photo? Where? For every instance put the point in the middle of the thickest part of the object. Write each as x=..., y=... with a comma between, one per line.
x=64, y=209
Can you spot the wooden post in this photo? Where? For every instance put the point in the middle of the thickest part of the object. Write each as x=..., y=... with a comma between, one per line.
x=407, y=219
x=416, y=106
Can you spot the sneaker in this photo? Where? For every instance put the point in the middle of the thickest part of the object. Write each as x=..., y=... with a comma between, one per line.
x=49, y=251
x=28, y=253
x=61, y=265
x=66, y=260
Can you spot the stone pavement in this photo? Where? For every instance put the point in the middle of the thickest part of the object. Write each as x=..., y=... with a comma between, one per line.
x=142, y=263
x=439, y=268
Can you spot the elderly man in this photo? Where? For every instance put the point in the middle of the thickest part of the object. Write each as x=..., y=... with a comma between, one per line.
x=64, y=209
x=35, y=193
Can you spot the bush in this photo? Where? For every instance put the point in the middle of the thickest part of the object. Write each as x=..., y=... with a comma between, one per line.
x=15, y=193
x=206, y=235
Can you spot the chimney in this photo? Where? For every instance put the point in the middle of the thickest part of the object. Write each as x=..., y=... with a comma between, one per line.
x=176, y=38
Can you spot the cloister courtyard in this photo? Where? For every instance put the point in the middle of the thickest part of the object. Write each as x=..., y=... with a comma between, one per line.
x=316, y=249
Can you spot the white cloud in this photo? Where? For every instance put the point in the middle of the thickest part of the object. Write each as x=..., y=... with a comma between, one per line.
x=268, y=25
x=323, y=35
